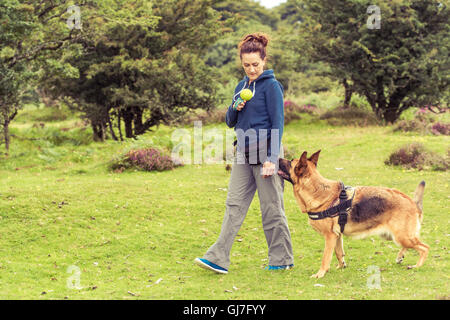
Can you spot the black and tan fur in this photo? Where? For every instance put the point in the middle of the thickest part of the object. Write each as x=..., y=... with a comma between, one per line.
x=375, y=211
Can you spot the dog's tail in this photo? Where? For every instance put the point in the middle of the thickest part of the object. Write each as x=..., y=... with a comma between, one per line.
x=418, y=196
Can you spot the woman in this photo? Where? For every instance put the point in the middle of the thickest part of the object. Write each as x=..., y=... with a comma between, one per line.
x=259, y=126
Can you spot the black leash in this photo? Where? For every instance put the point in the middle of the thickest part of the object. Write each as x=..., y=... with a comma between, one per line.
x=340, y=209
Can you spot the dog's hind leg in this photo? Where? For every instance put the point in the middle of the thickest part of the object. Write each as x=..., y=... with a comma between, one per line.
x=330, y=244
x=339, y=251
x=401, y=255
x=422, y=248
x=417, y=245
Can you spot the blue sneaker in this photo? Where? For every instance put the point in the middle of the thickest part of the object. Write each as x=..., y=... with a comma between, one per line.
x=205, y=264
x=285, y=267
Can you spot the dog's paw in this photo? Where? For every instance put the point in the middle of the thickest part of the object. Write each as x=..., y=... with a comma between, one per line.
x=410, y=267
x=319, y=274
x=341, y=265
x=399, y=260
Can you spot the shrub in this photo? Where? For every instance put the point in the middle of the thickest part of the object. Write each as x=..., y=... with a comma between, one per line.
x=292, y=110
x=349, y=116
x=440, y=128
x=148, y=159
x=416, y=156
x=290, y=106
x=423, y=123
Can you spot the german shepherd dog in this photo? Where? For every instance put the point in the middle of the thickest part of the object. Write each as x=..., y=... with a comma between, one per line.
x=374, y=211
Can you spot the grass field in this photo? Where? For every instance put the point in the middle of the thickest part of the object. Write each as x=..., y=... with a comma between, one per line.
x=134, y=235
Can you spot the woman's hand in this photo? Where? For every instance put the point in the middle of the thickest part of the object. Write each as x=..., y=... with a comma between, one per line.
x=240, y=106
x=268, y=169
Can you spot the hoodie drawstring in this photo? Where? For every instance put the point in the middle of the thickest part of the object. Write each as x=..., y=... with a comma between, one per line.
x=245, y=83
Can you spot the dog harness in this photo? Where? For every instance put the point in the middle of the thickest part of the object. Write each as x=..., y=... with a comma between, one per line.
x=340, y=210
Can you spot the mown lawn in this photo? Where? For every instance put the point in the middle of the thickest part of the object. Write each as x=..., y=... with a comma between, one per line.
x=134, y=235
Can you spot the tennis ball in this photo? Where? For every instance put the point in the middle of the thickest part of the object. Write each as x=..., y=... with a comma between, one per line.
x=246, y=94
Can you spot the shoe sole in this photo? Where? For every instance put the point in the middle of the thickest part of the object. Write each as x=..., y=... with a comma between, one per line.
x=203, y=265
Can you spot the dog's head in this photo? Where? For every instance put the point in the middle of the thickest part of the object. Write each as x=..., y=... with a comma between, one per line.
x=297, y=170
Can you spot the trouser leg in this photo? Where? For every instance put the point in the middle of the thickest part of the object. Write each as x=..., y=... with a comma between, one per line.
x=275, y=225
x=241, y=190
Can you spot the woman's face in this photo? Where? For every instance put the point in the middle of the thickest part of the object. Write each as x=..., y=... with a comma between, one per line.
x=253, y=65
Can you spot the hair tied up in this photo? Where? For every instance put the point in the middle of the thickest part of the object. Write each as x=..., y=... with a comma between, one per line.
x=259, y=37
x=254, y=42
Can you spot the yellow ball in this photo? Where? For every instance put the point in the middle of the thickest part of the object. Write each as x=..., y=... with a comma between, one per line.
x=246, y=94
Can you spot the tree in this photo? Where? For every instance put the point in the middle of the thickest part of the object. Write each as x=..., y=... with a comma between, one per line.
x=402, y=64
x=142, y=64
x=239, y=11
x=28, y=31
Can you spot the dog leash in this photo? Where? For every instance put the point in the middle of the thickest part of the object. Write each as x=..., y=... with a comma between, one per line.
x=341, y=209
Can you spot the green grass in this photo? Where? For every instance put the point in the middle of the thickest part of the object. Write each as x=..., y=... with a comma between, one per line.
x=135, y=235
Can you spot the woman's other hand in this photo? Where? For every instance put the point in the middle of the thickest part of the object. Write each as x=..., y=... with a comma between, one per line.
x=268, y=169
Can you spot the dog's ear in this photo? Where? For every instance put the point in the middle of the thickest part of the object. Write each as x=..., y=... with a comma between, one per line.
x=315, y=157
x=301, y=163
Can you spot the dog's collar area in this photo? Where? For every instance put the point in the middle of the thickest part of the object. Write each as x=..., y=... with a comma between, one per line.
x=341, y=209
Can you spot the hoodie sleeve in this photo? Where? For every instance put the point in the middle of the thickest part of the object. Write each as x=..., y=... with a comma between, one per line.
x=275, y=107
x=232, y=115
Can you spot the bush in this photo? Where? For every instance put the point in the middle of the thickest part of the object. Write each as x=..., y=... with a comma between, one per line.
x=416, y=156
x=350, y=116
x=148, y=159
x=290, y=106
x=424, y=122
x=440, y=128
x=292, y=110
x=414, y=125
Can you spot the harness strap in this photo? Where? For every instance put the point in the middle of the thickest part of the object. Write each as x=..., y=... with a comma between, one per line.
x=340, y=209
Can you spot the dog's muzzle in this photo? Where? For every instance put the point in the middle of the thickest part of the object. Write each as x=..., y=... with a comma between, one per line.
x=284, y=168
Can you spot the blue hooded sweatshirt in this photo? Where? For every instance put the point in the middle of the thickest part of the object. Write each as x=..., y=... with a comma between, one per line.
x=263, y=113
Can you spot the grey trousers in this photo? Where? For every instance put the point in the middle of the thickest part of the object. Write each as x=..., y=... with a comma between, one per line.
x=245, y=180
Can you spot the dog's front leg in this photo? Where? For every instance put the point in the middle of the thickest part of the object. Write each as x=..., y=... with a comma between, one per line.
x=330, y=244
x=339, y=251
